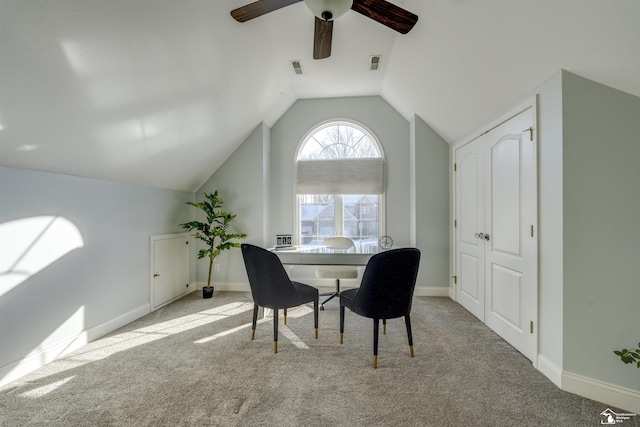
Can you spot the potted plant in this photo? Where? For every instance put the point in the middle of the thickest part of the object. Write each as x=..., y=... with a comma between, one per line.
x=214, y=232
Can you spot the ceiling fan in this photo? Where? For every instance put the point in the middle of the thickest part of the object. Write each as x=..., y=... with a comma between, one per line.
x=326, y=11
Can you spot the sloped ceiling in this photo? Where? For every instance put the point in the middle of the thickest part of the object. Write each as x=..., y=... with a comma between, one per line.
x=160, y=92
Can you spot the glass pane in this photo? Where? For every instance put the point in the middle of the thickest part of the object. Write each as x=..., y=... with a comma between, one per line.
x=361, y=219
x=338, y=141
x=317, y=218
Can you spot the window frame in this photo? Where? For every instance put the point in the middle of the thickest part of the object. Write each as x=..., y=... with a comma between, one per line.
x=338, y=198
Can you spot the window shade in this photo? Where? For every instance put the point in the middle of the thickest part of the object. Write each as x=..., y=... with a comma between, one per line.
x=341, y=176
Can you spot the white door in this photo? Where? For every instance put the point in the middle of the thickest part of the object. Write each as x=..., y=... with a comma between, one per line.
x=170, y=268
x=501, y=236
x=470, y=221
x=510, y=251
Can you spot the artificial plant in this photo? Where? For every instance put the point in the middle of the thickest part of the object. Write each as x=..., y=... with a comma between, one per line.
x=629, y=355
x=214, y=232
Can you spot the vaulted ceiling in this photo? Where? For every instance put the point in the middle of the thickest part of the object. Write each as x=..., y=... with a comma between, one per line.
x=160, y=92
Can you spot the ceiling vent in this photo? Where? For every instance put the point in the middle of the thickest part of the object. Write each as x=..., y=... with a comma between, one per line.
x=375, y=62
x=296, y=66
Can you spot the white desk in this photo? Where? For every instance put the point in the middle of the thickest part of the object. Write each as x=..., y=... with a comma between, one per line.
x=320, y=255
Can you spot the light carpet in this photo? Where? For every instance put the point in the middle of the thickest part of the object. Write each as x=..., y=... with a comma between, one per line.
x=192, y=363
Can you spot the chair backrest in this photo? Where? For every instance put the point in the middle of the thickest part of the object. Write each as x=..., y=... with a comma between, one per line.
x=388, y=282
x=269, y=281
x=338, y=242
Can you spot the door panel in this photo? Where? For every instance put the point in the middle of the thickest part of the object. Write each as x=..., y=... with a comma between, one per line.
x=505, y=194
x=513, y=302
x=170, y=269
x=505, y=289
x=470, y=217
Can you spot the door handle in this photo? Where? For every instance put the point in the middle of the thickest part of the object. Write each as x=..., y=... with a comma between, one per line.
x=482, y=236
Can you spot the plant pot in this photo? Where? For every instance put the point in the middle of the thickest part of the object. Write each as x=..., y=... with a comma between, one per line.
x=207, y=292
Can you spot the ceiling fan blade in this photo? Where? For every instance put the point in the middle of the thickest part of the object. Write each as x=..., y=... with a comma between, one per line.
x=259, y=8
x=387, y=14
x=322, y=35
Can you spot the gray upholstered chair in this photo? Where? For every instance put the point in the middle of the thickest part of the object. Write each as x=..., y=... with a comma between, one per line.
x=272, y=288
x=386, y=292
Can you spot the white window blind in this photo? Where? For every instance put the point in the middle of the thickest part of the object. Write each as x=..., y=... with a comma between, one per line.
x=340, y=176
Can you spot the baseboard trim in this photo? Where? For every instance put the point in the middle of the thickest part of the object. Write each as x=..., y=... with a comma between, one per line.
x=36, y=360
x=610, y=394
x=431, y=291
x=550, y=370
x=420, y=291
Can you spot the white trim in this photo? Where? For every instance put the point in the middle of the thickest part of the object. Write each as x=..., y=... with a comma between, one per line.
x=30, y=363
x=420, y=291
x=431, y=291
x=550, y=370
x=610, y=394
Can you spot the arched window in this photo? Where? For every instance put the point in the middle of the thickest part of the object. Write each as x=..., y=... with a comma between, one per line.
x=339, y=185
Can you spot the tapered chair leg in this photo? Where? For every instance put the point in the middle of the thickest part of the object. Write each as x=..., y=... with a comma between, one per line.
x=376, y=328
x=384, y=326
x=255, y=320
x=407, y=321
x=341, y=323
x=315, y=317
x=275, y=330
x=285, y=317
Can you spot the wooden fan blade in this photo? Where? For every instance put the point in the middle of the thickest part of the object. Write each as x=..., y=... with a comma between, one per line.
x=387, y=14
x=322, y=35
x=259, y=8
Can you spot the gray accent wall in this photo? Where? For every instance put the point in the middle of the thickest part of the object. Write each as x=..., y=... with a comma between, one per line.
x=88, y=288
x=242, y=182
x=601, y=248
x=589, y=238
x=432, y=222
x=257, y=181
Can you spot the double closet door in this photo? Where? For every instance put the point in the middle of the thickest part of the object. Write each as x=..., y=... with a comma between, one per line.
x=496, y=236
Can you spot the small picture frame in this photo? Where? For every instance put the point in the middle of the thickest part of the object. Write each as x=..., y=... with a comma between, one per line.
x=283, y=240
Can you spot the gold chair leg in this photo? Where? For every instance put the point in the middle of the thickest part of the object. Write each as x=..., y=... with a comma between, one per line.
x=316, y=333
x=384, y=328
x=375, y=362
x=341, y=337
x=275, y=346
x=411, y=350
x=285, y=320
x=253, y=334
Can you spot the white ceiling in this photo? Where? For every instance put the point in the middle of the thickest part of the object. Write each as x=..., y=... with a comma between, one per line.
x=160, y=92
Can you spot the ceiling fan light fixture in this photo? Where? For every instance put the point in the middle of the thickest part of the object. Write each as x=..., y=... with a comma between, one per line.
x=329, y=10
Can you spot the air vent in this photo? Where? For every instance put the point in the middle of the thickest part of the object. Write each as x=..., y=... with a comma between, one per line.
x=296, y=66
x=375, y=62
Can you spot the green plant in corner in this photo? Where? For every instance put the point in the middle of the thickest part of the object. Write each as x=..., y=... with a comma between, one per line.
x=214, y=232
x=629, y=355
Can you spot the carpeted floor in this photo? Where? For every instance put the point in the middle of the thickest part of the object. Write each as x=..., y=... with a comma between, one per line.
x=192, y=363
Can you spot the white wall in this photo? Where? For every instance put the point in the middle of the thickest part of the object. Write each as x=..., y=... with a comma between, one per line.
x=90, y=290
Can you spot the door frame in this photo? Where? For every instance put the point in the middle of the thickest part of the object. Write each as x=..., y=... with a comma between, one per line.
x=468, y=138
x=152, y=269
